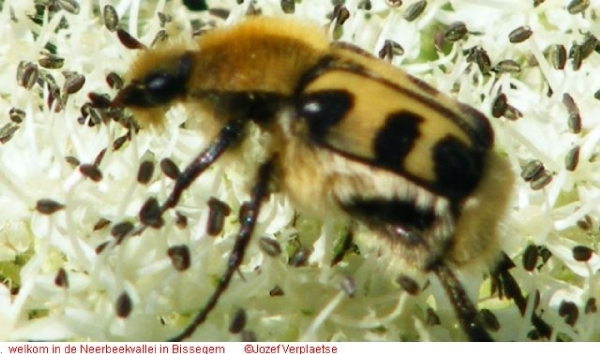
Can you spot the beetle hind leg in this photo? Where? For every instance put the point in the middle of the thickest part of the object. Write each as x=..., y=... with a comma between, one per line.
x=465, y=310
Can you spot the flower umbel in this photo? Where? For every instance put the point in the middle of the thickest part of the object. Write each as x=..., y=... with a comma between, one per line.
x=72, y=185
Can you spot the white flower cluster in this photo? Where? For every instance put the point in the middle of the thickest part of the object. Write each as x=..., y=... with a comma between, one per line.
x=69, y=179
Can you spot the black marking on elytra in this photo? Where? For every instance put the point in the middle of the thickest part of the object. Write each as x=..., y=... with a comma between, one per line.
x=482, y=131
x=394, y=141
x=323, y=109
x=431, y=186
x=458, y=168
x=377, y=211
x=476, y=126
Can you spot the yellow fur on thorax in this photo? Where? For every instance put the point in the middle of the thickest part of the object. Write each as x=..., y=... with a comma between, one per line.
x=259, y=54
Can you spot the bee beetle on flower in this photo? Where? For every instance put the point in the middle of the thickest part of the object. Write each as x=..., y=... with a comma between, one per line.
x=343, y=135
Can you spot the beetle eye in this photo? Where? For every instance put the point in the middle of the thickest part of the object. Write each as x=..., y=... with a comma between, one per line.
x=160, y=88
